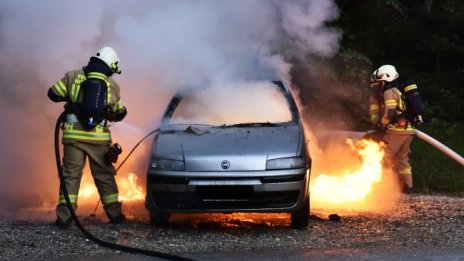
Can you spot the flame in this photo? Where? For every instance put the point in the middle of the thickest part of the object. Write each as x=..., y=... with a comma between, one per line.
x=357, y=186
x=87, y=191
x=129, y=190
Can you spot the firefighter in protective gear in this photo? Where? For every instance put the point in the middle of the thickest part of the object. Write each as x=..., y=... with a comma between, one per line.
x=80, y=143
x=387, y=110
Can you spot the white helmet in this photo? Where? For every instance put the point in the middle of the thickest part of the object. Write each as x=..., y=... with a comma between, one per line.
x=109, y=56
x=386, y=73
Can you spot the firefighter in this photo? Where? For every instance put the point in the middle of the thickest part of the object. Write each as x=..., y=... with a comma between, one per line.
x=81, y=142
x=388, y=115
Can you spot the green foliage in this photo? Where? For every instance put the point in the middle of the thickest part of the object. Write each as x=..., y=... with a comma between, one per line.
x=425, y=42
x=432, y=169
x=424, y=39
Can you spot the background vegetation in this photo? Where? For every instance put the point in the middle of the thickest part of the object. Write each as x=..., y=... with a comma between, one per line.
x=424, y=39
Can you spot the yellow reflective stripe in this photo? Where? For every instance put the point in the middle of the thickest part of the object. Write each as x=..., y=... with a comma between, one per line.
x=402, y=130
x=374, y=117
x=76, y=86
x=86, y=135
x=108, y=96
x=405, y=171
x=374, y=106
x=97, y=75
x=72, y=198
x=80, y=137
x=60, y=88
x=76, y=93
x=390, y=102
x=73, y=93
x=101, y=76
x=110, y=198
x=410, y=87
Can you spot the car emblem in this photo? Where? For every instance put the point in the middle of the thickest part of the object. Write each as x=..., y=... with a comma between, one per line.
x=225, y=164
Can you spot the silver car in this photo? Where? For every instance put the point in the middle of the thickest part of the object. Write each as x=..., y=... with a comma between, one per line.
x=230, y=150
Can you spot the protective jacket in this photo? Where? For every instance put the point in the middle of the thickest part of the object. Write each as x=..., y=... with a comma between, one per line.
x=67, y=89
x=385, y=107
x=93, y=144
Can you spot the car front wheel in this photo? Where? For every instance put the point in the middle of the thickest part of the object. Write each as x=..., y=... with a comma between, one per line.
x=159, y=218
x=300, y=218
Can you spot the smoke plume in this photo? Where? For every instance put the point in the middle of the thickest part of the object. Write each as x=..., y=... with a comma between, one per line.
x=163, y=46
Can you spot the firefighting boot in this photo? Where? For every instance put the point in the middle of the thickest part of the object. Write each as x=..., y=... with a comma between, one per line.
x=113, y=211
x=63, y=225
x=118, y=219
x=406, y=182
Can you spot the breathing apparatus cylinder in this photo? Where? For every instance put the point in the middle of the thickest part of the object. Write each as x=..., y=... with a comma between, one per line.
x=413, y=101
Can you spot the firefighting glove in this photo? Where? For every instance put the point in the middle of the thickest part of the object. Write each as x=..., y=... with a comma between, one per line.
x=113, y=153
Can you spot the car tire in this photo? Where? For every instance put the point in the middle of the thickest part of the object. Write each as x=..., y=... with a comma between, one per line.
x=159, y=218
x=300, y=218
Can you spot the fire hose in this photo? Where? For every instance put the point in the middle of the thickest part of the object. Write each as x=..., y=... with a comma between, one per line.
x=61, y=119
x=440, y=146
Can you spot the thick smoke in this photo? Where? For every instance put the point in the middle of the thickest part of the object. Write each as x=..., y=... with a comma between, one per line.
x=163, y=46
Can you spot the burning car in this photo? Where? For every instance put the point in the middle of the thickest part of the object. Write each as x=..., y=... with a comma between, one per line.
x=230, y=149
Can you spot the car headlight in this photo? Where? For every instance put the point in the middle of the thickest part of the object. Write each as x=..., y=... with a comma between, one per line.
x=285, y=163
x=167, y=164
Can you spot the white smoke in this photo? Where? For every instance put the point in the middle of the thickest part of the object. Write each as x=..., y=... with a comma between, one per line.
x=163, y=46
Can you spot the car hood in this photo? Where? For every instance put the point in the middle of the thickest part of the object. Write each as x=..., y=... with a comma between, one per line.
x=244, y=148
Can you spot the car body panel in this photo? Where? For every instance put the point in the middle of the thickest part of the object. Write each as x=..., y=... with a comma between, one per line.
x=247, y=149
x=225, y=167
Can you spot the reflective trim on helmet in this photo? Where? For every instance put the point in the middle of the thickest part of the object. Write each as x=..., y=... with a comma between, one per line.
x=118, y=106
x=115, y=68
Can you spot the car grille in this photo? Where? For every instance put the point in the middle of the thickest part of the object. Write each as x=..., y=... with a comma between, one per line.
x=225, y=198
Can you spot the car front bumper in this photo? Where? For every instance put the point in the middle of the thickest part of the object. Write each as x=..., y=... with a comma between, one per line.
x=255, y=191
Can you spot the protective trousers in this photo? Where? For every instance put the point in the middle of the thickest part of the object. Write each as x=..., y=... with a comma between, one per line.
x=74, y=158
x=397, y=152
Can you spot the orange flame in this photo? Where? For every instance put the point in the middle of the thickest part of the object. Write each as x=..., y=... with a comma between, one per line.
x=129, y=190
x=355, y=189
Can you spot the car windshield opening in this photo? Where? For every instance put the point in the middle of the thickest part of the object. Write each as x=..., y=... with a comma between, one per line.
x=231, y=104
